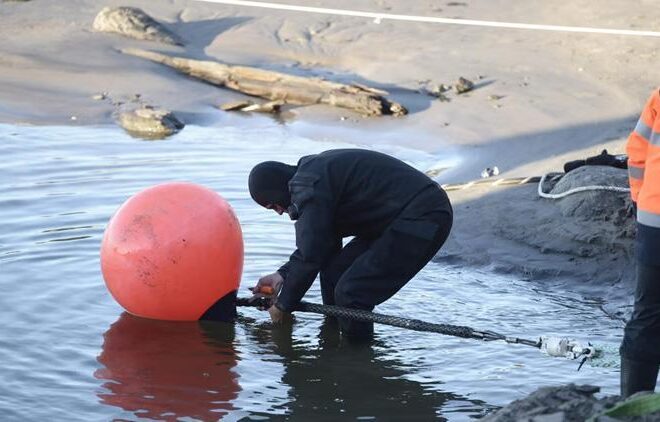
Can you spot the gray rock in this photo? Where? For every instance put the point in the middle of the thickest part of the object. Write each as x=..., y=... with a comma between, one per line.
x=463, y=85
x=151, y=123
x=549, y=404
x=567, y=403
x=133, y=23
x=552, y=417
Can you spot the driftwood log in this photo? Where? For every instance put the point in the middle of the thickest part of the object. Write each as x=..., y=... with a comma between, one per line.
x=281, y=87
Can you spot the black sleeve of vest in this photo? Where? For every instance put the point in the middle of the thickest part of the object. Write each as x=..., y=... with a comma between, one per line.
x=284, y=269
x=316, y=242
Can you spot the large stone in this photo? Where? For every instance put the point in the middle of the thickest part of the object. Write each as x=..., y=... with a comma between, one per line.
x=133, y=23
x=149, y=122
x=566, y=403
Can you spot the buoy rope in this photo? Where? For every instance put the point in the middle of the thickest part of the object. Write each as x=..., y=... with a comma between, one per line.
x=408, y=323
x=552, y=346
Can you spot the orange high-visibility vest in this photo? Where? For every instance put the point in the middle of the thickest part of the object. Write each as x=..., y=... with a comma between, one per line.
x=643, y=150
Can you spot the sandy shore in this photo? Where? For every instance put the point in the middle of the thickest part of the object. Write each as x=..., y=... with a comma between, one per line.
x=542, y=98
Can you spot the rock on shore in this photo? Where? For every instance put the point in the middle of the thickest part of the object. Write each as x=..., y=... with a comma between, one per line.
x=566, y=403
x=150, y=122
x=133, y=23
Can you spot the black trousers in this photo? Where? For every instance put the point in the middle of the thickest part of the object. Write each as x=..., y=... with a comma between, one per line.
x=367, y=272
x=641, y=339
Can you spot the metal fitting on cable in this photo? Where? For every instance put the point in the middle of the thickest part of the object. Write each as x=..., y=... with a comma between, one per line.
x=568, y=348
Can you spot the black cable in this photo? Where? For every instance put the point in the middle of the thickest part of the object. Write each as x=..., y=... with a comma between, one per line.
x=408, y=323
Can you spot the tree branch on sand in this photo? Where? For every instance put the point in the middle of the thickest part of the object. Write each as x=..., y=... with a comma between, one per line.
x=276, y=86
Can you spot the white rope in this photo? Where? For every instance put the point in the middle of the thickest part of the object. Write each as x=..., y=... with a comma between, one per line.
x=577, y=190
x=378, y=17
x=541, y=180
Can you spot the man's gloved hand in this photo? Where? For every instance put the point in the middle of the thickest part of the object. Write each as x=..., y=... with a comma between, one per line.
x=269, y=286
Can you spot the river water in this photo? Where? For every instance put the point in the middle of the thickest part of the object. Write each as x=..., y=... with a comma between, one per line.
x=69, y=352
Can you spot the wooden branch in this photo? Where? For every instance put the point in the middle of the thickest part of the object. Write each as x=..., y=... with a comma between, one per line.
x=281, y=87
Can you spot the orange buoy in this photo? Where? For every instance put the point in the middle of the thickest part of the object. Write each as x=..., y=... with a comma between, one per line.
x=171, y=251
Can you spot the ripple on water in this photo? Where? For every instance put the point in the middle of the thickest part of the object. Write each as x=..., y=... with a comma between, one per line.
x=69, y=352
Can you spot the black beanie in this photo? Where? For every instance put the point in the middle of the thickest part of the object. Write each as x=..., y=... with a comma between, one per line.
x=269, y=183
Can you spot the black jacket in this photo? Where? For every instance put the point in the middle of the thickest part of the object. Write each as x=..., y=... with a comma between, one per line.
x=336, y=194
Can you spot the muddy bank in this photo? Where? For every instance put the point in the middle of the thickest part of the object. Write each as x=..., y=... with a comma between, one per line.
x=584, y=241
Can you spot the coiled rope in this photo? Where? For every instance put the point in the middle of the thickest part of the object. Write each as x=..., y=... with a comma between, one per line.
x=543, y=194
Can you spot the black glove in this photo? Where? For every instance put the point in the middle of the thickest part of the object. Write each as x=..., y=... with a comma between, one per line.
x=602, y=159
x=572, y=165
x=605, y=159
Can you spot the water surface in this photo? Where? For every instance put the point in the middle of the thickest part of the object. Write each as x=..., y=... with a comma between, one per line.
x=68, y=352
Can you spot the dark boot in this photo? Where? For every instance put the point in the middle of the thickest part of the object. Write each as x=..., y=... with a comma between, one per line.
x=637, y=376
x=329, y=335
x=356, y=331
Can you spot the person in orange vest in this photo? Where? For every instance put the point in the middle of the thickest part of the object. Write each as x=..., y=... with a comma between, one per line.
x=640, y=349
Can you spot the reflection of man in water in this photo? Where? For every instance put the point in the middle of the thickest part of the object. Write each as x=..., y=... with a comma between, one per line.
x=344, y=380
x=169, y=370
x=398, y=216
